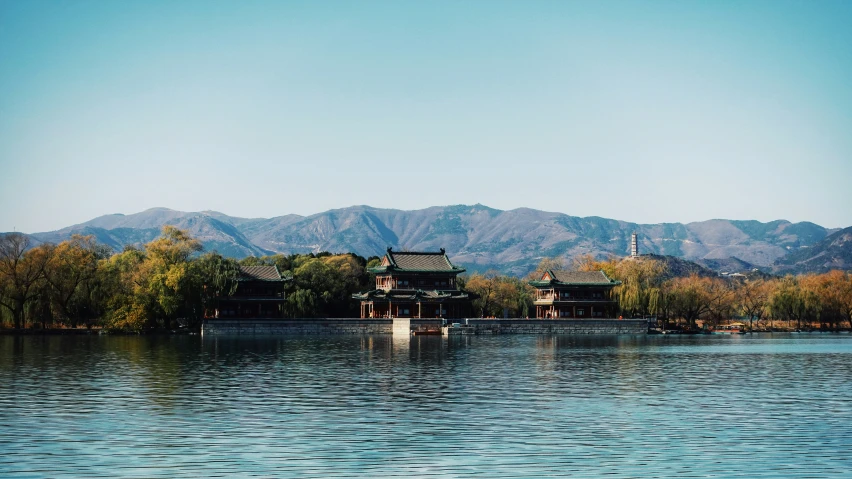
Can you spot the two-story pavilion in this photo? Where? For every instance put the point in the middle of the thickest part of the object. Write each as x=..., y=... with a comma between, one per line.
x=415, y=285
x=574, y=294
x=259, y=295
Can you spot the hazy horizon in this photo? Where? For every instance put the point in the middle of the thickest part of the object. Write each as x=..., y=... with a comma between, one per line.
x=646, y=112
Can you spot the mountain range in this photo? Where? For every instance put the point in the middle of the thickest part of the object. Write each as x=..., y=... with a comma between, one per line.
x=480, y=238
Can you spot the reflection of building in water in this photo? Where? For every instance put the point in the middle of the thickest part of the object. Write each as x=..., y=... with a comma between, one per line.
x=574, y=294
x=259, y=295
x=415, y=285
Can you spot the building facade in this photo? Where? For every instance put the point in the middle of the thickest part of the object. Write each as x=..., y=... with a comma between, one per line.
x=574, y=294
x=259, y=295
x=415, y=285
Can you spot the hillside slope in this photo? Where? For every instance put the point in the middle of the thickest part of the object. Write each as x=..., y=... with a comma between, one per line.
x=833, y=252
x=117, y=231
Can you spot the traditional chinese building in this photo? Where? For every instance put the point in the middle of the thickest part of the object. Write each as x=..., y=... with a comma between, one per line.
x=415, y=285
x=574, y=294
x=259, y=295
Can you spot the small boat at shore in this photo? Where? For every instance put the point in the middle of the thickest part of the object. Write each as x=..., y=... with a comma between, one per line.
x=732, y=328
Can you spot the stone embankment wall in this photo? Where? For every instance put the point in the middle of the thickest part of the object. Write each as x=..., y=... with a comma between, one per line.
x=311, y=326
x=325, y=326
x=557, y=326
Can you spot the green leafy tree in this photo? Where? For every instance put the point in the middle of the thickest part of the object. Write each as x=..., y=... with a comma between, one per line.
x=251, y=261
x=485, y=287
x=127, y=301
x=791, y=302
x=331, y=279
x=497, y=293
x=374, y=262
x=153, y=286
x=169, y=273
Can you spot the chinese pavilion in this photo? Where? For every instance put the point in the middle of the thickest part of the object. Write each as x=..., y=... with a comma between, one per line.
x=415, y=285
x=574, y=294
x=259, y=295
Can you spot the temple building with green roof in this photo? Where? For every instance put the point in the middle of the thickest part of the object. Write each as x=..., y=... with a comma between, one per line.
x=415, y=285
x=259, y=295
x=574, y=294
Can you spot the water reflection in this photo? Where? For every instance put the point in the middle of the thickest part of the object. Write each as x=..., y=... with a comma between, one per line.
x=494, y=406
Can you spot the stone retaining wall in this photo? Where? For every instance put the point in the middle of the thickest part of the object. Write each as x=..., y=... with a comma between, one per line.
x=296, y=326
x=325, y=326
x=557, y=326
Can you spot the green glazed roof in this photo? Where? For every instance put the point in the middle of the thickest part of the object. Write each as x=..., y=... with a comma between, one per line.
x=416, y=262
x=260, y=273
x=574, y=278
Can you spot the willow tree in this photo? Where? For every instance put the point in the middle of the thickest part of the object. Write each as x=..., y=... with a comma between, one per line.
x=752, y=299
x=721, y=300
x=324, y=284
x=485, y=287
x=518, y=296
x=640, y=291
x=152, y=286
x=843, y=290
x=640, y=288
x=214, y=276
x=73, y=264
x=21, y=272
x=497, y=294
x=302, y=303
x=830, y=296
x=689, y=298
x=791, y=302
x=125, y=289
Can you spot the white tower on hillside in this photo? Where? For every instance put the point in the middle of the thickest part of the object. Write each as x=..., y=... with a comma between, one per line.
x=634, y=245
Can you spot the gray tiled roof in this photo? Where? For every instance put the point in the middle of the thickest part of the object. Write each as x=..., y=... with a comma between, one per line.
x=421, y=261
x=259, y=273
x=580, y=277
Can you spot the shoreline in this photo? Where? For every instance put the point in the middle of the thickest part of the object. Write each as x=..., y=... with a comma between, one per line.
x=350, y=326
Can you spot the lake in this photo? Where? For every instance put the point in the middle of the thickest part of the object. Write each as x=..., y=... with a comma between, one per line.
x=773, y=405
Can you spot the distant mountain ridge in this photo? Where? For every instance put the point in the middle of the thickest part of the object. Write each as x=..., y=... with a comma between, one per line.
x=119, y=230
x=832, y=252
x=475, y=236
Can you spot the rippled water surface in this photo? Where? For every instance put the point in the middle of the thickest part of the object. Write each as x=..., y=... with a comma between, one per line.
x=498, y=406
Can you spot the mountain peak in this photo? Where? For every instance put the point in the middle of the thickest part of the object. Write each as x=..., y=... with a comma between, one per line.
x=159, y=209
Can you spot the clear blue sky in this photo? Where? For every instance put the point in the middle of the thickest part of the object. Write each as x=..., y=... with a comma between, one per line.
x=648, y=111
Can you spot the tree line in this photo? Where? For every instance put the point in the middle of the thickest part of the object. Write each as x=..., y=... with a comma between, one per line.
x=166, y=283
x=170, y=281
x=650, y=289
